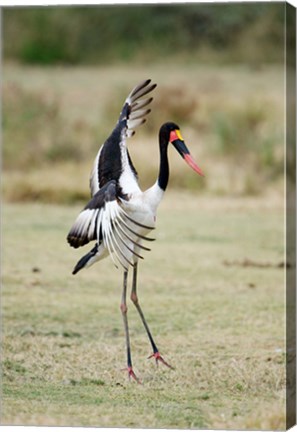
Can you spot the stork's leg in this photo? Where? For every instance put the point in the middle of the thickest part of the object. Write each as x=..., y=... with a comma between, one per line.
x=124, y=310
x=134, y=299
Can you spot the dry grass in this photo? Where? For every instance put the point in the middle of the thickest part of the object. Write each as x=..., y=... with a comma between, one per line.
x=56, y=119
x=222, y=327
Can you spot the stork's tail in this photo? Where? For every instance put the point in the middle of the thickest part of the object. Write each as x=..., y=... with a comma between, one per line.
x=87, y=260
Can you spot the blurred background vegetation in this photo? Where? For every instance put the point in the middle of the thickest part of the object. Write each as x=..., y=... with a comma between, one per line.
x=74, y=35
x=67, y=71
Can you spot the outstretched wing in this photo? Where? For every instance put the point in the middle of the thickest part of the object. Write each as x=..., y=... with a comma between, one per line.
x=107, y=165
x=103, y=219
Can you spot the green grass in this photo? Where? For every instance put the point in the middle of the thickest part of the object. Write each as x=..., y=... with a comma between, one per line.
x=221, y=326
x=141, y=33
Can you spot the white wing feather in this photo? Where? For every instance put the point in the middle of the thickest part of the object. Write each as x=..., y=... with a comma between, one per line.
x=114, y=228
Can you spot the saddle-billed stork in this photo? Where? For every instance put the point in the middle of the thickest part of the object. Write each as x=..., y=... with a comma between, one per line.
x=119, y=215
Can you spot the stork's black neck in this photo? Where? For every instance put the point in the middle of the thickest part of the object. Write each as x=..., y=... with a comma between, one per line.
x=163, y=176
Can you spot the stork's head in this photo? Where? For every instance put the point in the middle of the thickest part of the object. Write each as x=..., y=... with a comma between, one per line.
x=173, y=135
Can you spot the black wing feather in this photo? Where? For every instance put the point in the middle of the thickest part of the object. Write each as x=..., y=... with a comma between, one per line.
x=107, y=165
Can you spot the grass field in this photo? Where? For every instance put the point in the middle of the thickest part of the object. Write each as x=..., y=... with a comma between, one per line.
x=212, y=288
x=55, y=119
x=213, y=292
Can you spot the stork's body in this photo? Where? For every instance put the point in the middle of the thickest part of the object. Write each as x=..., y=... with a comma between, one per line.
x=119, y=215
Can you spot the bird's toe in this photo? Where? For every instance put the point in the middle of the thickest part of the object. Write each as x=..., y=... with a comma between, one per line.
x=157, y=356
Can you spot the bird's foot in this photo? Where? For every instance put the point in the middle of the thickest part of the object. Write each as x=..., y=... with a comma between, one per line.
x=158, y=358
x=131, y=374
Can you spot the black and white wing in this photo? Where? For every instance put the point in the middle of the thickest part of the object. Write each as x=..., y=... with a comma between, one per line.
x=103, y=219
x=111, y=160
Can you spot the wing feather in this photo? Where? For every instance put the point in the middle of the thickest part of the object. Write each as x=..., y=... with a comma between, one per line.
x=140, y=113
x=132, y=116
x=103, y=220
x=140, y=104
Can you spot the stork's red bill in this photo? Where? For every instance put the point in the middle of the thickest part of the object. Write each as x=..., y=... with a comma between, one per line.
x=176, y=139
